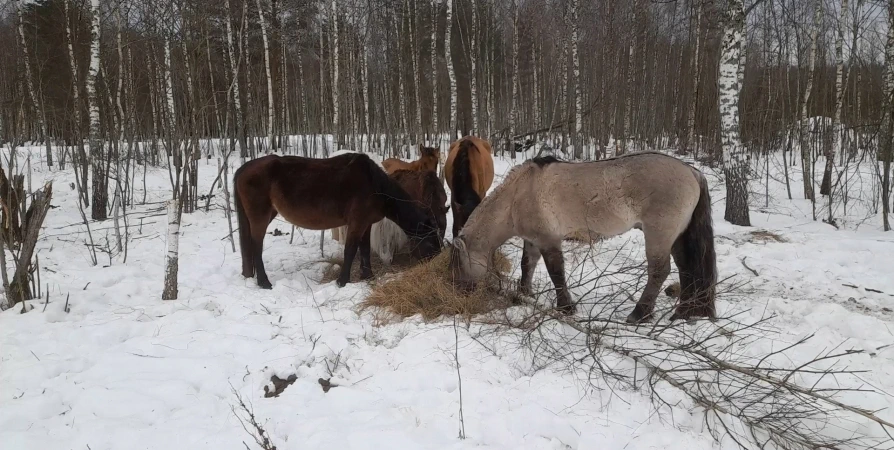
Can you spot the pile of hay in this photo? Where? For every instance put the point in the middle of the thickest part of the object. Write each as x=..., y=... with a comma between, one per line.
x=426, y=289
x=400, y=262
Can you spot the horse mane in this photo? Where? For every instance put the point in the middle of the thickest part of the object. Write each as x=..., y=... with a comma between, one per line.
x=545, y=160
x=398, y=206
x=464, y=192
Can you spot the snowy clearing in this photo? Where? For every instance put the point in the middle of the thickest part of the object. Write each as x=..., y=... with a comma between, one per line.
x=124, y=369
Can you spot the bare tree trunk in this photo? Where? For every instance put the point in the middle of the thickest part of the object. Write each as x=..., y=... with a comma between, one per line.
x=32, y=93
x=414, y=50
x=100, y=189
x=887, y=131
x=270, y=106
x=335, y=63
x=435, y=10
x=234, y=84
x=806, y=162
x=575, y=72
x=513, y=101
x=173, y=254
x=473, y=60
x=735, y=159
x=81, y=158
x=826, y=185
x=689, y=140
x=448, y=56
x=19, y=289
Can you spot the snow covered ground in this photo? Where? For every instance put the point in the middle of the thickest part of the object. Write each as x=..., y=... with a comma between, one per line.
x=125, y=370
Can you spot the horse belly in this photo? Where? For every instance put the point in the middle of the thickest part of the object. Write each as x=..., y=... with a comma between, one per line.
x=310, y=218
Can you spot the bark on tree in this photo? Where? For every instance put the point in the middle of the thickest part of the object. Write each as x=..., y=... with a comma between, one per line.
x=887, y=126
x=826, y=185
x=173, y=253
x=270, y=105
x=234, y=84
x=97, y=153
x=81, y=159
x=451, y=73
x=735, y=159
x=473, y=63
x=32, y=93
x=335, y=63
x=575, y=72
x=804, y=126
x=435, y=9
x=19, y=288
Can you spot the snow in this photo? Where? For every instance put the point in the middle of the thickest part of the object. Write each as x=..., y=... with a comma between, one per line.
x=124, y=369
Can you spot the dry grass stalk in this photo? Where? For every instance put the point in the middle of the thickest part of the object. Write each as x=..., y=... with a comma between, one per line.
x=425, y=289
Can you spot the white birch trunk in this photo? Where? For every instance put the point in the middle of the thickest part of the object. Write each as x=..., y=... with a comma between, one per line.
x=335, y=64
x=32, y=93
x=696, y=71
x=411, y=27
x=364, y=85
x=435, y=8
x=451, y=73
x=473, y=58
x=234, y=83
x=826, y=185
x=270, y=119
x=575, y=72
x=887, y=126
x=536, y=101
x=804, y=125
x=513, y=101
x=173, y=251
x=96, y=145
x=735, y=159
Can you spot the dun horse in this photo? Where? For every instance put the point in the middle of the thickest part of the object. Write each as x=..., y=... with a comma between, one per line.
x=544, y=201
x=386, y=237
x=470, y=172
x=428, y=161
x=301, y=190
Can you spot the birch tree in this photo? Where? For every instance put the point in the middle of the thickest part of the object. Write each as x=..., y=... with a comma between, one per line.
x=335, y=63
x=234, y=83
x=513, y=101
x=451, y=73
x=172, y=256
x=735, y=159
x=696, y=69
x=435, y=7
x=575, y=71
x=81, y=158
x=29, y=77
x=887, y=126
x=804, y=126
x=97, y=156
x=473, y=61
x=270, y=105
x=826, y=185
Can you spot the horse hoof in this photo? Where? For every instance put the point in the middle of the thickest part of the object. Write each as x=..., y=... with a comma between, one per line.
x=636, y=318
x=265, y=285
x=567, y=310
x=341, y=283
x=366, y=277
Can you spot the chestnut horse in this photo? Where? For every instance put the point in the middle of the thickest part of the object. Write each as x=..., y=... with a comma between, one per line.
x=301, y=189
x=469, y=171
x=428, y=161
x=544, y=201
x=386, y=238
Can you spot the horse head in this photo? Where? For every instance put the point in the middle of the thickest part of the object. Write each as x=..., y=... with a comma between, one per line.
x=466, y=267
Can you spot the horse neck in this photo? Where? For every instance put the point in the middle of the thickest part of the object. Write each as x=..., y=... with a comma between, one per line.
x=399, y=207
x=491, y=224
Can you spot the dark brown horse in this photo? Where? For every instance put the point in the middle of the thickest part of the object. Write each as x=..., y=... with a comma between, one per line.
x=470, y=172
x=301, y=190
x=428, y=161
x=386, y=237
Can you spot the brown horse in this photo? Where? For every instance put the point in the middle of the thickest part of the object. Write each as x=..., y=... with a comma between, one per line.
x=470, y=172
x=301, y=190
x=386, y=237
x=544, y=201
x=428, y=161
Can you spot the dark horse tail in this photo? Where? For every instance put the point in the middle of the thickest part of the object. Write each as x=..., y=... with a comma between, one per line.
x=244, y=228
x=399, y=207
x=463, y=186
x=696, y=259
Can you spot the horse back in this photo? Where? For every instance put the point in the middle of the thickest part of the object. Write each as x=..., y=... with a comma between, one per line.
x=481, y=163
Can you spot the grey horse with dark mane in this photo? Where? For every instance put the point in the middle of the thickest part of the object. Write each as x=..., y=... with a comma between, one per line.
x=546, y=201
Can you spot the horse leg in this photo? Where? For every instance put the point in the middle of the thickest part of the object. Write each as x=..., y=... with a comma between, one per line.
x=365, y=261
x=555, y=266
x=659, y=268
x=258, y=230
x=456, y=219
x=530, y=258
x=352, y=243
